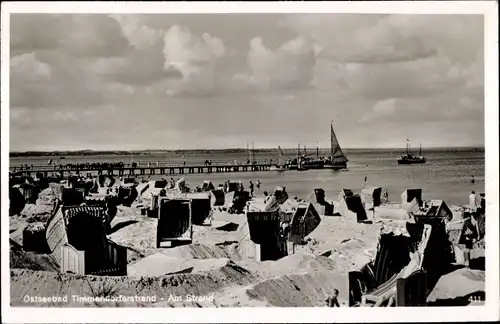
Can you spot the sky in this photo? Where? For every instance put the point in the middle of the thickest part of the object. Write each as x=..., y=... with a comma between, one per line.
x=209, y=81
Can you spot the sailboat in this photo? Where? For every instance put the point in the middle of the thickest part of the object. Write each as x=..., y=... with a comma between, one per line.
x=409, y=158
x=310, y=162
x=337, y=159
x=294, y=164
x=277, y=166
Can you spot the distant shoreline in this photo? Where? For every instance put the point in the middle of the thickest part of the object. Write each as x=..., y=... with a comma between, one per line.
x=206, y=151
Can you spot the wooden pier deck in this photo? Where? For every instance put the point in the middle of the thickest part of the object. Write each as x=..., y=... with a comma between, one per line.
x=127, y=169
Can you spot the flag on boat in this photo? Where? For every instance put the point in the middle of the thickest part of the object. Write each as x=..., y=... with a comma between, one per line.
x=281, y=152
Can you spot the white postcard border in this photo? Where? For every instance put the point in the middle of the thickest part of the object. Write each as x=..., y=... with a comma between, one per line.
x=490, y=311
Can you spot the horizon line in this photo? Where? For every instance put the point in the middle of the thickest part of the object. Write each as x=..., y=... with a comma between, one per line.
x=230, y=148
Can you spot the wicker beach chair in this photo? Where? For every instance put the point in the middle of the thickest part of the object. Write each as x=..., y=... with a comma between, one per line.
x=395, y=273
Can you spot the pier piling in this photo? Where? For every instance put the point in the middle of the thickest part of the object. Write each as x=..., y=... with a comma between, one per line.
x=128, y=169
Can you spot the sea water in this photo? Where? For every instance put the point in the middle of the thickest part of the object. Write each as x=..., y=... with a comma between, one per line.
x=447, y=174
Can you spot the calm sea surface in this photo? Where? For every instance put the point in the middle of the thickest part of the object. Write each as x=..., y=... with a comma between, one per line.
x=446, y=175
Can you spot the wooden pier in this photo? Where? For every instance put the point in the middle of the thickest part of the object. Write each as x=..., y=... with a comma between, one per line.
x=126, y=170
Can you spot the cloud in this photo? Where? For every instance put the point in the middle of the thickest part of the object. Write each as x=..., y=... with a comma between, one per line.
x=20, y=117
x=64, y=115
x=137, y=68
x=80, y=35
x=26, y=68
x=290, y=66
x=190, y=53
x=232, y=78
x=88, y=60
x=27, y=36
x=52, y=56
x=197, y=58
x=67, y=83
x=408, y=68
x=376, y=39
x=139, y=36
x=443, y=107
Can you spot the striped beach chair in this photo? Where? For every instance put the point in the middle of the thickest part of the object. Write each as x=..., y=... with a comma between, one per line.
x=92, y=211
x=386, y=280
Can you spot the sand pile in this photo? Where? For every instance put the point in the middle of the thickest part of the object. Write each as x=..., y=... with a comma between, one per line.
x=132, y=230
x=348, y=244
x=201, y=251
x=220, y=262
x=20, y=259
x=17, y=226
x=210, y=235
x=43, y=208
x=32, y=213
x=38, y=283
x=224, y=226
x=298, y=280
x=138, y=233
x=301, y=290
x=159, y=265
x=295, y=263
x=354, y=252
x=456, y=287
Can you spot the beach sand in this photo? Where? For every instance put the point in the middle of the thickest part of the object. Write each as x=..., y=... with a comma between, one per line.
x=219, y=264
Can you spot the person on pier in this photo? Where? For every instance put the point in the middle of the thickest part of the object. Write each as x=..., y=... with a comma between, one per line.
x=251, y=188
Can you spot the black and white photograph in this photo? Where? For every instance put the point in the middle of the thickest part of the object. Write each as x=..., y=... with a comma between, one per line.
x=172, y=158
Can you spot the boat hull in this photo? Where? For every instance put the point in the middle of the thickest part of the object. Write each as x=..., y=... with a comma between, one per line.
x=313, y=165
x=335, y=166
x=418, y=161
x=276, y=168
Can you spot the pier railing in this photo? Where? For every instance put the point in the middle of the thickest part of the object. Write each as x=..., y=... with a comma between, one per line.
x=122, y=169
x=141, y=164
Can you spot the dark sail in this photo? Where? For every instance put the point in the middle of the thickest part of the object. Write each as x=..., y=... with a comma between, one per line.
x=337, y=153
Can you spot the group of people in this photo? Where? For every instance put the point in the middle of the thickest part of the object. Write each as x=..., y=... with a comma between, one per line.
x=93, y=165
x=474, y=225
x=107, y=165
x=255, y=162
x=473, y=205
x=24, y=167
x=251, y=186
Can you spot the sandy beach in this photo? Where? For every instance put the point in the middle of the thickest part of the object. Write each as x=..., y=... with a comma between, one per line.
x=219, y=268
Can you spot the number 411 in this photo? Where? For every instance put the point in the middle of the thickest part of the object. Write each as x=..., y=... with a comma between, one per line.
x=474, y=299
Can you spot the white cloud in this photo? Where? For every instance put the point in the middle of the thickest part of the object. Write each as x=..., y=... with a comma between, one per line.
x=140, y=36
x=380, y=109
x=64, y=115
x=26, y=68
x=290, y=66
x=188, y=52
x=382, y=69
